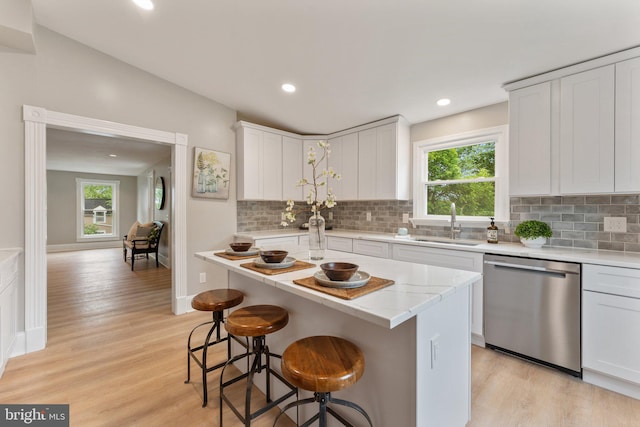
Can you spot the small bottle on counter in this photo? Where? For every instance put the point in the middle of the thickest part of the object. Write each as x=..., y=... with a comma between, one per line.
x=492, y=232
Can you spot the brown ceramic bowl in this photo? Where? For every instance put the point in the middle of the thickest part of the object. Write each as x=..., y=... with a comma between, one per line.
x=339, y=271
x=273, y=256
x=240, y=246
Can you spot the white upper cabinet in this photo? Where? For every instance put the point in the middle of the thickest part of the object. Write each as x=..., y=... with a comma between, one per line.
x=291, y=168
x=530, y=140
x=627, y=152
x=367, y=164
x=259, y=164
x=587, y=102
x=249, y=147
x=576, y=130
x=272, y=166
x=373, y=160
x=383, y=162
x=344, y=160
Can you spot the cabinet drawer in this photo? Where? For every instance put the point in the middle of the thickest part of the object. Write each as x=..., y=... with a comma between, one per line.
x=343, y=244
x=290, y=242
x=470, y=261
x=611, y=280
x=371, y=248
x=611, y=327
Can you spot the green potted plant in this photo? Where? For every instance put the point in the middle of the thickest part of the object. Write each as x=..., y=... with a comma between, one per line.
x=533, y=233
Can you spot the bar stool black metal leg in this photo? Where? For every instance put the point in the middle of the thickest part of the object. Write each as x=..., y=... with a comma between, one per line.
x=348, y=404
x=323, y=400
x=217, y=320
x=258, y=350
x=191, y=350
x=216, y=323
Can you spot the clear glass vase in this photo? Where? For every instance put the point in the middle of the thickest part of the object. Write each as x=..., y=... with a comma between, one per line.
x=317, y=241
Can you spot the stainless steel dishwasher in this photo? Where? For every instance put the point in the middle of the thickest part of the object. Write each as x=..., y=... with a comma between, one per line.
x=532, y=309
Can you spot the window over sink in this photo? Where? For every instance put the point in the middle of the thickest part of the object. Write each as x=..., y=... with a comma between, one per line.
x=468, y=169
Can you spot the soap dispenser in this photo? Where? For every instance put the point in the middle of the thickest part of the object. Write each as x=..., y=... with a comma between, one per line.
x=492, y=232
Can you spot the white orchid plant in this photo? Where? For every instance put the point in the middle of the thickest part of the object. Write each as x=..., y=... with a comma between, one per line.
x=319, y=178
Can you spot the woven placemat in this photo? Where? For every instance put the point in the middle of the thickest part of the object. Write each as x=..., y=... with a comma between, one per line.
x=374, y=284
x=299, y=265
x=234, y=257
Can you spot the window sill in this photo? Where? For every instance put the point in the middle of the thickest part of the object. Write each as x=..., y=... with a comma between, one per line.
x=97, y=239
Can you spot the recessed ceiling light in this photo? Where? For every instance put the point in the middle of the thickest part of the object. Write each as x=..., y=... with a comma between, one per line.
x=288, y=87
x=113, y=155
x=444, y=101
x=144, y=4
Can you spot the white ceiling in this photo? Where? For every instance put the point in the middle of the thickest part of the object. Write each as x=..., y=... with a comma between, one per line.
x=81, y=152
x=353, y=61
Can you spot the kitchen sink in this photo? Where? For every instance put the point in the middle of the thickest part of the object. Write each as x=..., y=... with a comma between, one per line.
x=446, y=241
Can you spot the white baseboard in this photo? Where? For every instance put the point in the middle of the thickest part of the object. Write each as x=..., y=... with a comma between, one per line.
x=184, y=305
x=67, y=247
x=611, y=383
x=477, y=340
x=19, y=345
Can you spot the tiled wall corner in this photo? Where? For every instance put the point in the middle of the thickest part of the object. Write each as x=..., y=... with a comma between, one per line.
x=578, y=221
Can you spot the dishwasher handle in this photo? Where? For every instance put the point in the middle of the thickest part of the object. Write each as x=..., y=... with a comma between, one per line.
x=529, y=267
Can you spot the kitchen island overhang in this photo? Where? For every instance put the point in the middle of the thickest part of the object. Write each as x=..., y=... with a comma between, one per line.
x=414, y=334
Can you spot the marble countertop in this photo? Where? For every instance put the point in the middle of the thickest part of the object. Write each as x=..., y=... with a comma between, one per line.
x=585, y=256
x=417, y=287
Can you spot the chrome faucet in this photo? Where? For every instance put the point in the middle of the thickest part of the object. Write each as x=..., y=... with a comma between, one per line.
x=454, y=230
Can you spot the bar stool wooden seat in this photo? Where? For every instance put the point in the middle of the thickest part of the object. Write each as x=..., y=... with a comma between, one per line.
x=323, y=364
x=255, y=321
x=215, y=301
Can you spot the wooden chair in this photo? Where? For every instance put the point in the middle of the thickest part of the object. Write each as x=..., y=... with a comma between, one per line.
x=143, y=245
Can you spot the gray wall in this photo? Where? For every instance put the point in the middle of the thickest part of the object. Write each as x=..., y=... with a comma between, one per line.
x=68, y=77
x=480, y=118
x=62, y=205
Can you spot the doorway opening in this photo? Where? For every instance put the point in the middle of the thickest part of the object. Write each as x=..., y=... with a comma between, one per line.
x=36, y=122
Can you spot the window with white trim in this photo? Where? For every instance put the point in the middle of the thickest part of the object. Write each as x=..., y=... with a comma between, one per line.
x=468, y=169
x=97, y=217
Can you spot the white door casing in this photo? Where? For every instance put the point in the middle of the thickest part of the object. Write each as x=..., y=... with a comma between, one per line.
x=36, y=120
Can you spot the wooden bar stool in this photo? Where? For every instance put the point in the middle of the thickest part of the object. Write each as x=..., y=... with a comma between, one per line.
x=323, y=364
x=255, y=321
x=216, y=301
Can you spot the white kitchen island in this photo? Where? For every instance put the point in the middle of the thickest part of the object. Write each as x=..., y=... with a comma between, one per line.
x=414, y=334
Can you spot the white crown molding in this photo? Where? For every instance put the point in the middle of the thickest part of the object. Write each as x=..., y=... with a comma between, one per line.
x=392, y=119
x=573, y=69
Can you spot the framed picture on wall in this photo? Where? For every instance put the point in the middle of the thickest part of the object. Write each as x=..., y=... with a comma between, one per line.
x=211, y=174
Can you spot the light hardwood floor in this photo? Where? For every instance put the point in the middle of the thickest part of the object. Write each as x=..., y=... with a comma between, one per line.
x=117, y=355
x=115, y=352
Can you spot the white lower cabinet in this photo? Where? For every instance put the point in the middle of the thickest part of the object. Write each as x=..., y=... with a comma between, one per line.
x=285, y=243
x=371, y=248
x=8, y=307
x=470, y=261
x=342, y=244
x=611, y=328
